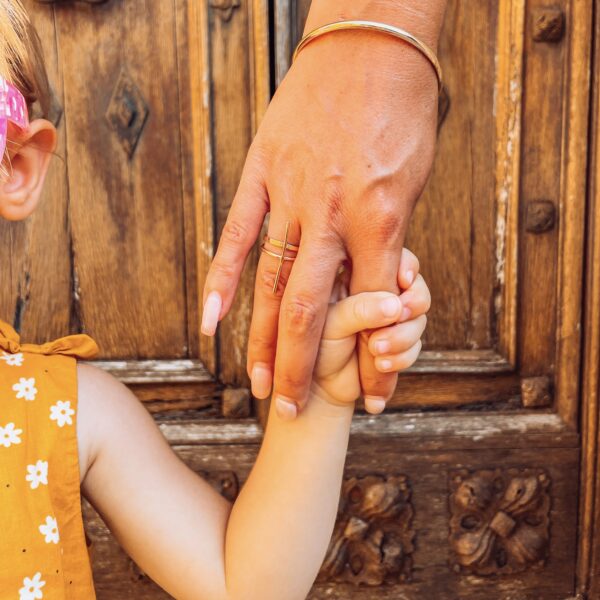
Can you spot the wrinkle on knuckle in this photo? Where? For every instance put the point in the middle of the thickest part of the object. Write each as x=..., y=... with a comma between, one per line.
x=359, y=311
x=334, y=201
x=293, y=379
x=259, y=344
x=222, y=269
x=234, y=232
x=301, y=316
x=267, y=281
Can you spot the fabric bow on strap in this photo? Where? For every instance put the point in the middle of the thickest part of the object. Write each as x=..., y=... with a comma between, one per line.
x=79, y=346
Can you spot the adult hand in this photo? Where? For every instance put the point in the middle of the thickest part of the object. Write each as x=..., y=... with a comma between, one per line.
x=342, y=155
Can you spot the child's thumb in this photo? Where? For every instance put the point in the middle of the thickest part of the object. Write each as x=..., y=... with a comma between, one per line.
x=368, y=310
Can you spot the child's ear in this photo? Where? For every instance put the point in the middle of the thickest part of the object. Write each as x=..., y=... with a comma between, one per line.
x=22, y=184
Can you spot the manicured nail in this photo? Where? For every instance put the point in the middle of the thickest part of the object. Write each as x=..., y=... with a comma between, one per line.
x=410, y=277
x=385, y=365
x=262, y=381
x=382, y=347
x=405, y=315
x=210, y=313
x=374, y=404
x=391, y=306
x=286, y=409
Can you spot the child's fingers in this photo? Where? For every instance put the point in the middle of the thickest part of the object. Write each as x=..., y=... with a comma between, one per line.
x=409, y=269
x=397, y=338
x=398, y=362
x=416, y=300
x=368, y=310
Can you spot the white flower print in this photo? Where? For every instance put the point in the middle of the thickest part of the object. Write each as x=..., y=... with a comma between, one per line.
x=9, y=435
x=61, y=413
x=25, y=388
x=37, y=474
x=49, y=530
x=12, y=360
x=32, y=588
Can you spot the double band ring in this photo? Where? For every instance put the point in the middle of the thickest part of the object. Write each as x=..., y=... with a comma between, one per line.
x=285, y=247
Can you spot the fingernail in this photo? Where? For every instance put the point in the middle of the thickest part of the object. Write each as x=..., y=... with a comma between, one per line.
x=261, y=380
x=410, y=277
x=391, y=306
x=405, y=315
x=374, y=404
x=382, y=347
x=286, y=409
x=385, y=364
x=210, y=313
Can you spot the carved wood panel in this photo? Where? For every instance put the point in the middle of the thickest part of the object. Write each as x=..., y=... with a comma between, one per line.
x=372, y=543
x=500, y=520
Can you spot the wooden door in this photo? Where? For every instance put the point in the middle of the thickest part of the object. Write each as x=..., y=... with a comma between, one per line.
x=468, y=487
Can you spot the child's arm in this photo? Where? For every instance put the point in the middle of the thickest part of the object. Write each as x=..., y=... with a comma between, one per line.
x=271, y=543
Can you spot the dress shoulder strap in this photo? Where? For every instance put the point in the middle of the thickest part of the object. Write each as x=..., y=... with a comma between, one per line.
x=78, y=346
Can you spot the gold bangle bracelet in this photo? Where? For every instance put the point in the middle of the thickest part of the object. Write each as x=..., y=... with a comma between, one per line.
x=374, y=26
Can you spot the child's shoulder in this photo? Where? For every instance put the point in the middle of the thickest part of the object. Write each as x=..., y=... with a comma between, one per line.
x=108, y=411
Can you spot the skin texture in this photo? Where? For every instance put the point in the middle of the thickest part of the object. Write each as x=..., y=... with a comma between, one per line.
x=342, y=154
x=182, y=533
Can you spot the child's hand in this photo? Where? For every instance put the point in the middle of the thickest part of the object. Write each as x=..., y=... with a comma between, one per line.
x=394, y=325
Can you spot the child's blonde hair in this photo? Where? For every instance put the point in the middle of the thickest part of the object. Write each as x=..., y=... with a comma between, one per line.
x=21, y=57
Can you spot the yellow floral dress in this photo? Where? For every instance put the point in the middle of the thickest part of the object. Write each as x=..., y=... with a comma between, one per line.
x=43, y=551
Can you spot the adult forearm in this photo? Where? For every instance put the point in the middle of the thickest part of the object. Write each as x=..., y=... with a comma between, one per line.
x=281, y=523
x=422, y=18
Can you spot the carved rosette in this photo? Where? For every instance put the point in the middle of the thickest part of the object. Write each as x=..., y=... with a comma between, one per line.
x=499, y=520
x=372, y=543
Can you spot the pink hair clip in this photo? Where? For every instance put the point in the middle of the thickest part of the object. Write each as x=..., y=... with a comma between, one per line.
x=13, y=108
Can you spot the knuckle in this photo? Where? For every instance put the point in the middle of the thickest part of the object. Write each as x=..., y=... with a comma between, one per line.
x=267, y=281
x=359, y=311
x=334, y=201
x=300, y=316
x=222, y=270
x=378, y=384
x=259, y=345
x=234, y=232
x=385, y=221
x=291, y=381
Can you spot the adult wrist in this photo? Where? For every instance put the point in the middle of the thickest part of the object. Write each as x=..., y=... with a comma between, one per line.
x=422, y=18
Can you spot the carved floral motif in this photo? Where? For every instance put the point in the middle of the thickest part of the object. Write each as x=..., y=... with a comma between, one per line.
x=372, y=542
x=499, y=520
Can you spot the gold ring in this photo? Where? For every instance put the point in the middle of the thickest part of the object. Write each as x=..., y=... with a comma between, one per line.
x=279, y=244
x=285, y=246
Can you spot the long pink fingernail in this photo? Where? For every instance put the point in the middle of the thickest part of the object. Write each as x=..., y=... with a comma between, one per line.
x=286, y=409
x=210, y=313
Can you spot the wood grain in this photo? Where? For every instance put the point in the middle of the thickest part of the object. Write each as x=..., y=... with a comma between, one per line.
x=588, y=563
x=126, y=214
x=240, y=86
x=201, y=154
